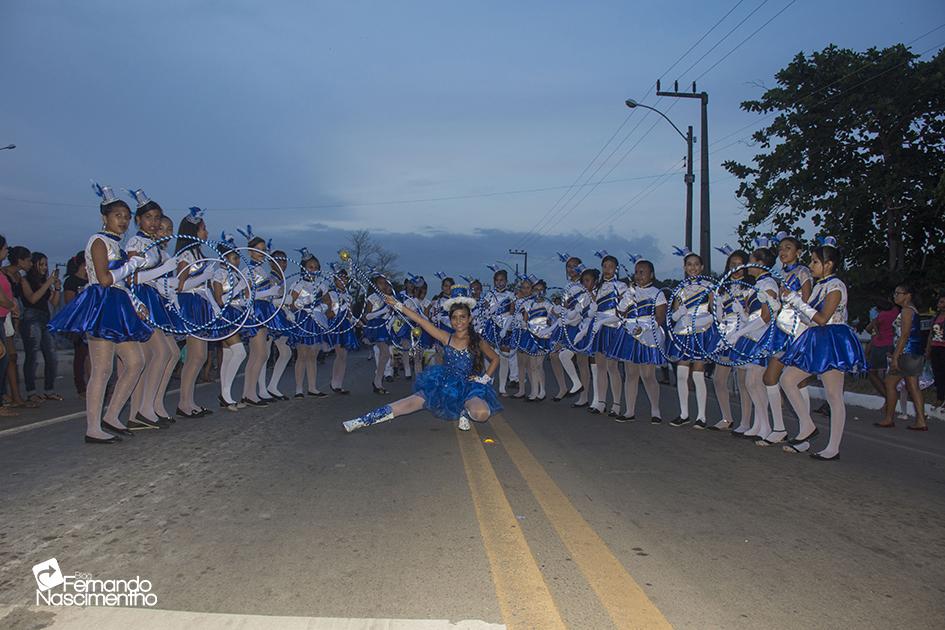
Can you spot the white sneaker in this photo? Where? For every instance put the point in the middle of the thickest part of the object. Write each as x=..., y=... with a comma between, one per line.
x=463, y=422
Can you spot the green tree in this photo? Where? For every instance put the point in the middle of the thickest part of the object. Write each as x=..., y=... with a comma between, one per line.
x=856, y=148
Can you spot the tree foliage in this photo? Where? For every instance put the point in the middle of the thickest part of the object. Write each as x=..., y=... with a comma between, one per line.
x=369, y=255
x=856, y=149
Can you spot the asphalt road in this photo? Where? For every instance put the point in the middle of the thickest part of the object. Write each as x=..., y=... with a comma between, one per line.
x=544, y=517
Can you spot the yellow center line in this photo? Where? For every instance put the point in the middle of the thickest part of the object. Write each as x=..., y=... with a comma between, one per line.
x=524, y=598
x=624, y=600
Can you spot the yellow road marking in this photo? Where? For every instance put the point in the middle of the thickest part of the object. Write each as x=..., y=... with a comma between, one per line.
x=524, y=598
x=624, y=600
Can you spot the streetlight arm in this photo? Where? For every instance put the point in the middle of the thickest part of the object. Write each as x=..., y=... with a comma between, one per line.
x=665, y=117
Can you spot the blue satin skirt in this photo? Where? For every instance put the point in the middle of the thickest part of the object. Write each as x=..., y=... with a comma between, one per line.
x=160, y=312
x=341, y=332
x=376, y=331
x=196, y=313
x=101, y=312
x=752, y=352
x=446, y=391
x=820, y=349
x=695, y=347
x=629, y=348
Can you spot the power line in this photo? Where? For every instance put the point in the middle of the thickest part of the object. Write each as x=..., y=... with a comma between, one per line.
x=755, y=32
x=366, y=203
x=549, y=215
x=726, y=36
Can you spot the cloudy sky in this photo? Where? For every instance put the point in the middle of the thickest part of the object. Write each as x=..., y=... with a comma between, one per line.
x=452, y=130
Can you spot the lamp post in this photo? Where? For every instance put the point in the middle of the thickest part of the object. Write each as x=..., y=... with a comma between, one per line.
x=689, y=178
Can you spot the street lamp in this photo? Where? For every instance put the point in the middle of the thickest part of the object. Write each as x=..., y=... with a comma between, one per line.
x=689, y=178
x=9, y=146
x=520, y=252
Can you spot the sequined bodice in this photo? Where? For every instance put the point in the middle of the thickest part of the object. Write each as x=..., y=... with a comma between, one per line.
x=116, y=255
x=457, y=361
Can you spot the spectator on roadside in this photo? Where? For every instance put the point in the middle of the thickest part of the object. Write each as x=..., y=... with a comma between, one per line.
x=908, y=359
x=935, y=351
x=7, y=307
x=880, y=346
x=76, y=279
x=40, y=290
x=19, y=263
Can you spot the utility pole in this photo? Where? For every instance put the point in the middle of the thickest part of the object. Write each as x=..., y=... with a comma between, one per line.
x=705, y=237
x=520, y=252
x=689, y=179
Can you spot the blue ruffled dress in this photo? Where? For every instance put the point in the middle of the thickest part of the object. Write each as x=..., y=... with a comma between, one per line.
x=446, y=388
x=102, y=312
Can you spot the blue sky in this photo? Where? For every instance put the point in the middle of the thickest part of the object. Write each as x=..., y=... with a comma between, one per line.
x=301, y=117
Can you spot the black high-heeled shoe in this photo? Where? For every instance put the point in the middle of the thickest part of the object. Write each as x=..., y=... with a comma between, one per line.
x=145, y=422
x=278, y=396
x=575, y=392
x=379, y=390
x=94, y=440
x=579, y=405
x=254, y=403
x=801, y=440
x=119, y=430
x=340, y=390
x=317, y=394
x=168, y=419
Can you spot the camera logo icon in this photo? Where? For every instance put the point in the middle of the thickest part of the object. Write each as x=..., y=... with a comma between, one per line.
x=48, y=575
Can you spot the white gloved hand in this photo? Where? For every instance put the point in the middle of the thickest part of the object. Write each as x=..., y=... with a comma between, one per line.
x=680, y=312
x=133, y=264
x=807, y=311
x=156, y=272
x=485, y=379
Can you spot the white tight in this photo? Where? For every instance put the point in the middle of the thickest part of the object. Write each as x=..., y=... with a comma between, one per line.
x=607, y=369
x=339, y=366
x=306, y=365
x=634, y=373
x=477, y=408
x=381, y=358
x=285, y=353
x=258, y=352
x=101, y=355
x=761, y=427
x=160, y=351
x=196, y=357
x=833, y=386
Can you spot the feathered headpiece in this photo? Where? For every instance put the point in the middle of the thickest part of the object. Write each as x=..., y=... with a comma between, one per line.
x=681, y=251
x=105, y=194
x=138, y=195
x=828, y=240
x=725, y=250
x=248, y=234
x=494, y=268
x=601, y=253
x=563, y=257
x=441, y=276
x=459, y=294
x=194, y=214
x=305, y=254
x=634, y=258
x=761, y=242
x=228, y=239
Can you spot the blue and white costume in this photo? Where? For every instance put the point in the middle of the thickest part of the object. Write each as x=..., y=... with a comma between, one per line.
x=832, y=346
x=641, y=339
x=694, y=335
x=498, y=318
x=156, y=282
x=446, y=388
x=539, y=326
x=755, y=336
x=309, y=309
x=578, y=321
x=198, y=309
x=104, y=312
x=795, y=276
x=376, y=328
x=340, y=330
x=607, y=324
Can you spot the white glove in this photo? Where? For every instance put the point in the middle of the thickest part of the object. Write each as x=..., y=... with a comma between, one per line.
x=270, y=292
x=680, y=312
x=738, y=308
x=156, y=272
x=752, y=326
x=134, y=263
x=773, y=303
x=485, y=379
x=604, y=320
x=794, y=299
x=808, y=312
x=192, y=282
